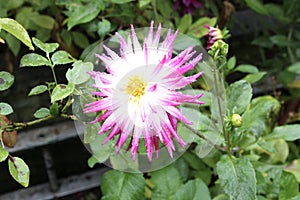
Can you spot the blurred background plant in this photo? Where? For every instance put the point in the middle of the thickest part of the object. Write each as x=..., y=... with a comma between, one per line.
x=260, y=63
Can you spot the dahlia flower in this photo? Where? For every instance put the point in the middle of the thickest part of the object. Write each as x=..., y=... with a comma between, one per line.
x=138, y=95
x=215, y=34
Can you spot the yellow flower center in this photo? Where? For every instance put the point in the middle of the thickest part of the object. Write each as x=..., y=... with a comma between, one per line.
x=136, y=88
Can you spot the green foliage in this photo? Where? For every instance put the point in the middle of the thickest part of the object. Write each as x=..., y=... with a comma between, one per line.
x=42, y=113
x=79, y=73
x=62, y=58
x=238, y=97
x=34, y=60
x=257, y=6
x=198, y=30
x=192, y=190
x=6, y=80
x=121, y=185
x=100, y=151
x=289, y=186
x=294, y=68
x=3, y=154
x=237, y=177
x=257, y=114
x=294, y=168
x=62, y=91
x=167, y=182
x=17, y=30
x=46, y=47
x=19, y=170
x=84, y=13
x=5, y=109
x=287, y=132
x=38, y=90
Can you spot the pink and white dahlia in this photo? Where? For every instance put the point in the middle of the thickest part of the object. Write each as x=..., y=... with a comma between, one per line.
x=139, y=95
x=214, y=34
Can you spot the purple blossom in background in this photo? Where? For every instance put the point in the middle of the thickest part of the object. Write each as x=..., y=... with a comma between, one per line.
x=187, y=6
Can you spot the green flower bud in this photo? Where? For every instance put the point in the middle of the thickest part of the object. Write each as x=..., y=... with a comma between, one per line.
x=219, y=48
x=236, y=120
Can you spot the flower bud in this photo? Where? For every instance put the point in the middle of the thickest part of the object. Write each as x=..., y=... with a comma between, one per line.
x=236, y=120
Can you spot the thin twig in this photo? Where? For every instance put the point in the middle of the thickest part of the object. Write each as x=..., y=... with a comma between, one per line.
x=205, y=138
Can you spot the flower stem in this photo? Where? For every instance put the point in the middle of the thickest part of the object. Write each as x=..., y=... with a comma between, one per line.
x=290, y=52
x=52, y=68
x=54, y=76
x=204, y=138
x=73, y=117
x=21, y=125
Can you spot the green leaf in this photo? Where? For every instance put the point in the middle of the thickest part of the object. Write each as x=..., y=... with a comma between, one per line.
x=192, y=190
x=46, y=47
x=43, y=34
x=41, y=113
x=287, y=132
x=34, y=60
x=143, y=3
x=84, y=13
x=255, y=117
x=263, y=41
x=101, y=152
x=252, y=78
x=294, y=168
x=198, y=30
x=185, y=23
x=237, y=177
x=120, y=185
x=257, y=6
x=166, y=183
x=103, y=27
x=289, y=186
x=17, y=30
x=295, y=68
x=79, y=73
x=80, y=39
x=19, y=170
x=62, y=91
x=3, y=154
x=183, y=168
x=239, y=96
x=231, y=63
x=61, y=58
x=247, y=68
x=268, y=179
x=5, y=109
x=165, y=8
x=123, y=162
x=90, y=134
x=38, y=90
x=67, y=37
x=43, y=21
x=286, y=77
x=280, y=40
x=119, y=1
x=277, y=11
x=6, y=80
x=13, y=4
x=281, y=151
x=54, y=109
x=13, y=43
